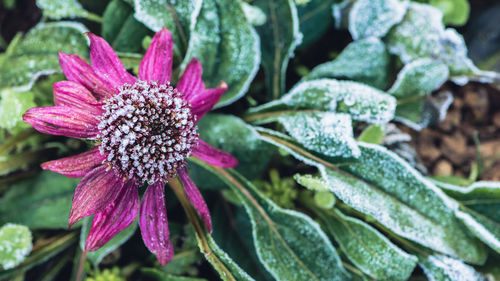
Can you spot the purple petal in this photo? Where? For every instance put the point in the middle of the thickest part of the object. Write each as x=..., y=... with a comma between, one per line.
x=115, y=218
x=190, y=83
x=78, y=71
x=154, y=224
x=76, y=166
x=194, y=196
x=157, y=62
x=106, y=63
x=201, y=103
x=94, y=193
x=63, y=121
x=214, y=156
x=72, y=94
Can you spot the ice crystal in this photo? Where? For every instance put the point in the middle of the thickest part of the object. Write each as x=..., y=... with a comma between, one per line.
x=147, y=131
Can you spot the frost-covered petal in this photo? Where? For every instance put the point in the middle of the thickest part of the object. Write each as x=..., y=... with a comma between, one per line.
x=72, y=94
x=63, y=121
x=76, y=166
x=194, y=196
x=106, y=63
x=154, y=224
x=190, y=83
x=78, y=71
x=214, y=156
x=157, y=62
x=206, y=100
x=94, y=193
x=119, y=214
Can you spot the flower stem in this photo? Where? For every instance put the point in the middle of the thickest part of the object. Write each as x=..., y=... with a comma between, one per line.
x=200, y=233
x=81, y=265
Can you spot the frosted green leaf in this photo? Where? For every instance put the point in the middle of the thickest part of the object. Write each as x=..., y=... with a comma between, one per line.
x=372, y=134
x=442, y=268
x=252, y=153
x=401, y=218
x=13, y=104
x=383, y=169
x=37, y=53
x=15, y=244
x=227, y=46
x=254, y=15
x=367, y=248
x=324, y=132
x=369, y=18
x=58, y=9
x=362, y=102
x=419, y=78
x=366, y=60
x=278, y=36
x=95, y=257
x=479, y=210
x=421, y=34
x=179, y=16
x=43, y=201
x=290, y=245
x=386, y=189
x=314, y=19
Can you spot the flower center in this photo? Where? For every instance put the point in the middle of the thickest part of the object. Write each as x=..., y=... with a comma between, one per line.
x=147, y=131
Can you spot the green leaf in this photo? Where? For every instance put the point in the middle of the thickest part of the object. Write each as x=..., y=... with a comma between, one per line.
x=362, y=102
x=367, y=248
x=252, y=153
x=254, y=15
x=372, y=134
x=37, y=53
x=43, y=201
x=366, y=60
x=162, y=276
x=421, y=34
x=15, y=244
x=289, y=244
x=13, y=105
x=324, y=132
x=59, y=9
x=233, y=234
x=419, y=78
x=390, y=174
x=479, y=209
x=442, y=268
x=95, y=257
x=178, y=16
x=227, y=46
x=374, y=18
x=314, y=19
x=385, y=188
x=278, y=38
x=455, y=12
x=120, y=29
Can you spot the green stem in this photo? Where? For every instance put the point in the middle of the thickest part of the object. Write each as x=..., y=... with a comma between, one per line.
x=198, y=229
x=93, y=17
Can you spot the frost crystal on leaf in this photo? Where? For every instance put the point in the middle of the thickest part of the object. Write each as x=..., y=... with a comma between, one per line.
x=375, y=17
x=327, y=133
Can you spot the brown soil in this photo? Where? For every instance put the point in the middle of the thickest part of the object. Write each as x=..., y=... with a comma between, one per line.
x=472, y=123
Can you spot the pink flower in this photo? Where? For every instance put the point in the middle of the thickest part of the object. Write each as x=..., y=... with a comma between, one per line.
x=144, y=129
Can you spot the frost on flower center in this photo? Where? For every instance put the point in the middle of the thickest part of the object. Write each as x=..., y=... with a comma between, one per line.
x=147, y=131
